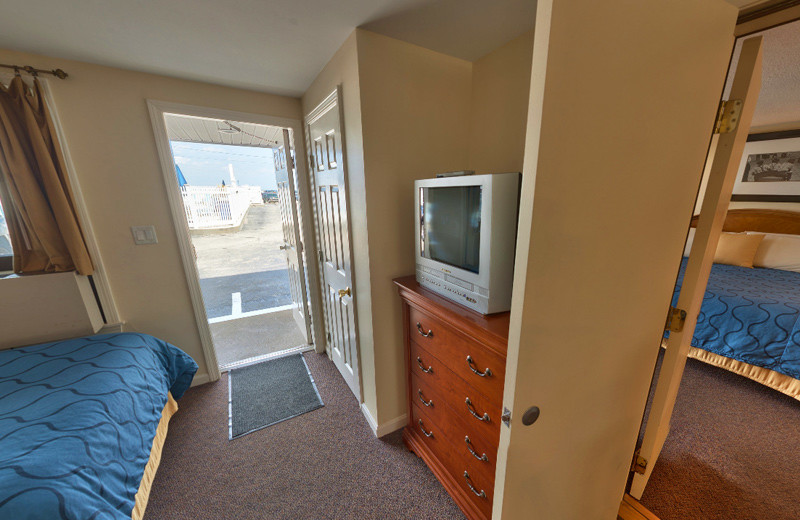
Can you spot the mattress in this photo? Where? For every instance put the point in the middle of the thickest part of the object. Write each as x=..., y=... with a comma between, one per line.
x=750, y=315
x=78, y=421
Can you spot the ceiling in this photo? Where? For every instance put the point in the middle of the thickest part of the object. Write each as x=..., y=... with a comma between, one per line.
x=276, y=46
x=779, y=100
x=214, y=131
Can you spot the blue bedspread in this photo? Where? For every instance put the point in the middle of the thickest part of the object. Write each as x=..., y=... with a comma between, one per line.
x=77, y=422
x=751, y=315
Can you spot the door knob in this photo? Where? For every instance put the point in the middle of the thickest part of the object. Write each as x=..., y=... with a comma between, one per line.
x=283, y=248
x=344, y=292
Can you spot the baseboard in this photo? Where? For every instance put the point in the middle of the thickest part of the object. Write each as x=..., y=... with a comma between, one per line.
x=385, y=428
x=200, y=379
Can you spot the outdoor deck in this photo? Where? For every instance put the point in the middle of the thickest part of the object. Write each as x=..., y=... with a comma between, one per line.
x=245, y=287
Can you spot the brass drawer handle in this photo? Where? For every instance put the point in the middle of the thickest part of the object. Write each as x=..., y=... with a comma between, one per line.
x=421, y=398
x=428, y=334
x=484, y=417
x=483, y=457
x=428, y=370
x=471, y=364
x=480, y=493
x=422, y=427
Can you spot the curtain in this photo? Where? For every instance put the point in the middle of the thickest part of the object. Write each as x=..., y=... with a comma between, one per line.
x=38, y=201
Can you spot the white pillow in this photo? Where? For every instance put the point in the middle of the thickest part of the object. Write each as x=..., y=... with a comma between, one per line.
x=778, y=251
x=689, y=241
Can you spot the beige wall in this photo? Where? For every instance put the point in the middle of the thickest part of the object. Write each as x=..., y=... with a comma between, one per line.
x=606, y=202
x=108, y=132
x=415, y=116
x=499, y=107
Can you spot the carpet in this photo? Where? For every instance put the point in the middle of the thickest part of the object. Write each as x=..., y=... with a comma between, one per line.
x=270, y=392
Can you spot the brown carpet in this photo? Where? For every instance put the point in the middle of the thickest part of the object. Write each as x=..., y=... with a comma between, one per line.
x=325, y=464
x=733, y=452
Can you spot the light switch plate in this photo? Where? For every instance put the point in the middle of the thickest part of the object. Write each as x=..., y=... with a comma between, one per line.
x=143, y=235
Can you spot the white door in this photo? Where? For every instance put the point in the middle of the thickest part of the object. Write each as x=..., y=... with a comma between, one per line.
x=618, y=129
x=724, y=166
x=329, y=180
x=285, y=175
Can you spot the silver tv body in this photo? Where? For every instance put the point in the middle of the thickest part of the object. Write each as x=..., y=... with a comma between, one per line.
x=465, y=251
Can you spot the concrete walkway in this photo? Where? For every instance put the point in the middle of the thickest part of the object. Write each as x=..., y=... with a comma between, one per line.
x=245, y=271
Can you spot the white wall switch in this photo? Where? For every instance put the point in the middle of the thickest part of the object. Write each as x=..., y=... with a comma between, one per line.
x=144, y=235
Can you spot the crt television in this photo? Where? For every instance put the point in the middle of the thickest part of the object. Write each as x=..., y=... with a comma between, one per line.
x=466, y=230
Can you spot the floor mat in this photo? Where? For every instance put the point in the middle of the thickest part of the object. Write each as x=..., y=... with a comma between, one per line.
x=270, y=392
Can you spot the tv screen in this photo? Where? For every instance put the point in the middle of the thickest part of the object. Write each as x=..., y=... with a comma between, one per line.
x=450, y=225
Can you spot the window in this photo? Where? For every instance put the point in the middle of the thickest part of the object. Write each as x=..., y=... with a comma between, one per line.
x=6, y=253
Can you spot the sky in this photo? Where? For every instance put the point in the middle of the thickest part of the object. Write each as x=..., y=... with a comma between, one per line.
x=207, y=164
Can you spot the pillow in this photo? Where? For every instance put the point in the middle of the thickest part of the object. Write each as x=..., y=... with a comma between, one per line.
x=778, y=251
x=737, y=248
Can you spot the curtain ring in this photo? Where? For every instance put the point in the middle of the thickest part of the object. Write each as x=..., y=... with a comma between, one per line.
x=16, y=72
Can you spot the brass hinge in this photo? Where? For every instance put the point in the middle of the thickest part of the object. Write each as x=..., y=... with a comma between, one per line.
x=728, y=116
x=675, y=319
x=639, y=464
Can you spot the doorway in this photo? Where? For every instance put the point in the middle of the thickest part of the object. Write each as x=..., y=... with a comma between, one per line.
x=240, y=208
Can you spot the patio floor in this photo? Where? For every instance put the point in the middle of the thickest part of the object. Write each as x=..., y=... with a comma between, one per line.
x=242, y=274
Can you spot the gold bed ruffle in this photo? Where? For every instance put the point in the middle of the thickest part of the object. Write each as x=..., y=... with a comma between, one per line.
x=782, y=383
x=155, y=458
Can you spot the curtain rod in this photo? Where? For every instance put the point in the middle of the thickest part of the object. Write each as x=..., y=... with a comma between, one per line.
x=60, y=74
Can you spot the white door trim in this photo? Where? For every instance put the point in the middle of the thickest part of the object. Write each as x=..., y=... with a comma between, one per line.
x=157, y=110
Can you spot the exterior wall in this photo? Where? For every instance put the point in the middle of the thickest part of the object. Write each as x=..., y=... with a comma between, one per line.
x=107, y=129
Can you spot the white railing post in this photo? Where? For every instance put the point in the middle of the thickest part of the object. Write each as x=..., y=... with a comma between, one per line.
x=213, y=207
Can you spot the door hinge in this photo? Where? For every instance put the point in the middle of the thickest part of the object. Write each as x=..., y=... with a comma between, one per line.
x=675, y=319
x=728, y=116
x=639, y=464
x=321, y=258
x=506, y=417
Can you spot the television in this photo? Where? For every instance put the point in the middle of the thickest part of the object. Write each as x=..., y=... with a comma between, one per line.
x=466, y=231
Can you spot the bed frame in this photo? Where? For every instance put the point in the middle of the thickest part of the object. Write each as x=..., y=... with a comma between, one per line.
x=764, y=221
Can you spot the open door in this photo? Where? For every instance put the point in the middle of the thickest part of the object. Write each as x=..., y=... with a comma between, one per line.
x=325, y=143
x=722, y=175
x=290, y=224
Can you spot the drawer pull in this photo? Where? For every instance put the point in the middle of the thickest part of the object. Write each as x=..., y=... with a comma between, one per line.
x=421, y=427
x=484, y=417
x=480, y=493
x=421, y=398
x=471, y=364
x=428, y=334
x=483, y=457
x=428, y=370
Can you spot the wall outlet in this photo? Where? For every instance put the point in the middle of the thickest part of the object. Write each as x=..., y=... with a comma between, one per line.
x=144, y=235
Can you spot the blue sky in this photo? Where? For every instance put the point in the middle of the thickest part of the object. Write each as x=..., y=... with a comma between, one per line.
x=207, y=164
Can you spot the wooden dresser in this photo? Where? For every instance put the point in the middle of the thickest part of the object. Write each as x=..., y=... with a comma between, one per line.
x=456, y=363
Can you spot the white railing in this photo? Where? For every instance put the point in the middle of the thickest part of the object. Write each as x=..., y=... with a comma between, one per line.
x=211, y=207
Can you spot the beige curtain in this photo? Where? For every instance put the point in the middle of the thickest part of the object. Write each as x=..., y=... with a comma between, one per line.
x=36, y=195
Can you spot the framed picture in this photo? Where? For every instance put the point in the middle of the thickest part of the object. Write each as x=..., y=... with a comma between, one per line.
x=770, y=169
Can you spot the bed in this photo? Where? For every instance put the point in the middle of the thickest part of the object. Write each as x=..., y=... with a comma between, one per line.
x=749, y=322
x=82, y=423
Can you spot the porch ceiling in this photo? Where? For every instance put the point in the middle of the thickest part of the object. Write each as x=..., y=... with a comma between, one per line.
x=204, y=130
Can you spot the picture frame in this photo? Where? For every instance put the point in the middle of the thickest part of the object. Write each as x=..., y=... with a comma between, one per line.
x=770, y=168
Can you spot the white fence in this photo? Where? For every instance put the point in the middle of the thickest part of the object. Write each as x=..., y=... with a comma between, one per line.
x=209, y=207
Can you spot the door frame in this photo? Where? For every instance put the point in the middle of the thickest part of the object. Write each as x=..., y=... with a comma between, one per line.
x=335, y=97
x=157, y=110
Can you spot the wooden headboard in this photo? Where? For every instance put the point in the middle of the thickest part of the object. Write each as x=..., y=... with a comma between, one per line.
x=763, y=220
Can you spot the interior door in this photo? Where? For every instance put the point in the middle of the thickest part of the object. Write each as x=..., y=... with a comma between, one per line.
x=724, y=166
x=290, y=224
x=325, y=144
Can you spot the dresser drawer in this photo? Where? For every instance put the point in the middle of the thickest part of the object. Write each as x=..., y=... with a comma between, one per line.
x=481, y=368
x=438, y=443
x=483, y=457
x=455, y=392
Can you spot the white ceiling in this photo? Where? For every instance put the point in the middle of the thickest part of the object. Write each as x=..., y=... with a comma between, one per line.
x=779, y=100
x=274, y=46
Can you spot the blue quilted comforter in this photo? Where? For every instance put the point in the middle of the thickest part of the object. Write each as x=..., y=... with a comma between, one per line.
x=751, y=315
x=77, y=422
